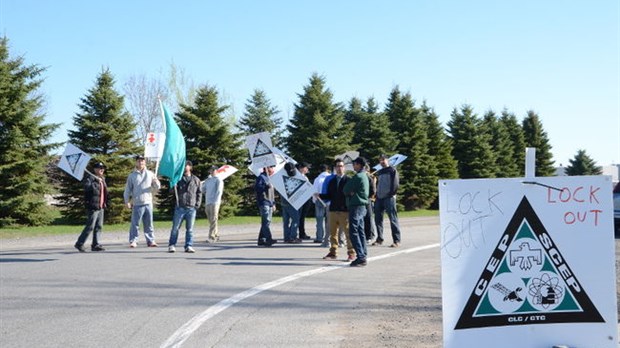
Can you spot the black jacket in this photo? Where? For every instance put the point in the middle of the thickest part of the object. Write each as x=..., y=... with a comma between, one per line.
x=335, y=194
x=92, y=192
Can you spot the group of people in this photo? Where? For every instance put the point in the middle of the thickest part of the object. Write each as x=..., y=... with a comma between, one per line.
x=343, y=206
x=138, y=196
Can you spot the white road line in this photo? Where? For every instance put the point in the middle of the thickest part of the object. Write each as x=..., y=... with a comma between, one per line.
x=185, y=331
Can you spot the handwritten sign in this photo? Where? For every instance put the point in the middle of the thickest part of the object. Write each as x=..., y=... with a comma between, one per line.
x=528, y=263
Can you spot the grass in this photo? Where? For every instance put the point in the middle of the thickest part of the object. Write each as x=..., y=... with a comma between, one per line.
x=58, y=228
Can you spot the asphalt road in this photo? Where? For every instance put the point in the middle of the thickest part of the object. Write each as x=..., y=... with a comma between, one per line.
x=231, y=294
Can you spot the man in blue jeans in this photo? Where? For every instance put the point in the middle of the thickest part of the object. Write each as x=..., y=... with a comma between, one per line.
x=188, y=195
x=138, y=197
x=356, y=191
x=387, y=185
x=265, y=201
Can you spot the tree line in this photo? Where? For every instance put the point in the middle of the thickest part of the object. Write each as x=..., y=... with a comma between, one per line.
x=111, y=127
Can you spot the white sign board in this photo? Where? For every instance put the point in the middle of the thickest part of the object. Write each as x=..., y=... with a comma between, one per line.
x=296, y=189
x=528, y=262
x=393, y=161
x=261, y=150
x=225, y=171
x=348, y=158
x=74, y=161
x=154, y=145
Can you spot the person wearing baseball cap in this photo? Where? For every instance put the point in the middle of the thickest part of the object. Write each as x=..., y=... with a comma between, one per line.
x=138, y=197
x=96, y=199
x=356, y=191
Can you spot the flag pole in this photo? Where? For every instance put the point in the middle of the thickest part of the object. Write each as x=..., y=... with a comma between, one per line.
x=163, y=122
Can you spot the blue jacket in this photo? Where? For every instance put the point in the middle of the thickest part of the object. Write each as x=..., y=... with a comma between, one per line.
x=264, y=190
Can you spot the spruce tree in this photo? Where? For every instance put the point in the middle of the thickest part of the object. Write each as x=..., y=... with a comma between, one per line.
x=582, y=164
x=106, y=131
x=505, y=167
x=318, y=131
x=24, y=153
x=470, y=145
x=517, y=141
x=259, y=116
x=536, y=137
x=371, y=129
x=209, y=140
x=418, y=173
x=439, y=145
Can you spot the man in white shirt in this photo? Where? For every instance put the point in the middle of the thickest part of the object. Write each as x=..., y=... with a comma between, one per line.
x=320, y=208
x=212, y=188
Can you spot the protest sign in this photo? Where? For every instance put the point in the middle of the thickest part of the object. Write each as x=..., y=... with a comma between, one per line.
x=154, y=145
x=528, y=262
x=74, y=161
x=296, y=189
x=393, y=161
x=261, y=150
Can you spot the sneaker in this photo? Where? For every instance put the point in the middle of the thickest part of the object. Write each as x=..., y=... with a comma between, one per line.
x=305, y=237
x=395, y=245
x=317, y=241
x=351, y=258
x=377, y=242
x=330, y=256
x=358, y=263
x=171, y=249
x=80, y=248
x=97, y=247
x=133, y=245
x=189, y=249
x=153, y=245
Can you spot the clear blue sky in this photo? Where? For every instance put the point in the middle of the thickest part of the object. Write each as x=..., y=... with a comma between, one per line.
x=558, y=58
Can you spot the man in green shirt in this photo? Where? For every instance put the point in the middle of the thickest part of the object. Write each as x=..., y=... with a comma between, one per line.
x=356, y=191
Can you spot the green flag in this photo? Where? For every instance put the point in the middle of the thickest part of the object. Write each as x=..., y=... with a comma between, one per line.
x=172, y=163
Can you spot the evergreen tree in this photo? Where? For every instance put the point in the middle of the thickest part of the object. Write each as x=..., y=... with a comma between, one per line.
x=106, y=131
x=536, y=137
x=418, y=173
x=501, y=145
x=439, y=145
x=261, y=116
x=209, y=140
x=317, y=132
x=471, y=146
x=24, y=153
x=517, y=141
x=371, y=129
x=582, y=164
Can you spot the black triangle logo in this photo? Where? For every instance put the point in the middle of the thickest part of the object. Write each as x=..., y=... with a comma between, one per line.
x=291, y=185
x=347, y=160
x=261, y=149
x=73, y=160
x=527, y=281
